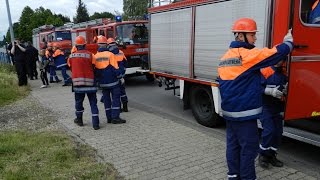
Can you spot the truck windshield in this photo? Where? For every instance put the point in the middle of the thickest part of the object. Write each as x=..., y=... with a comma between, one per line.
x=63, y=35
x=132, y=33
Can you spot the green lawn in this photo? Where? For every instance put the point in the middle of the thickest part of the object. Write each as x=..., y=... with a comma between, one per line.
x=9, y=89
x=47, y=155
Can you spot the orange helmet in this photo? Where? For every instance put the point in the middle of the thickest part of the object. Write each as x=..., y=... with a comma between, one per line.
x=244, y=25
x=80, y=40
x=110, y=41
x=102, y=40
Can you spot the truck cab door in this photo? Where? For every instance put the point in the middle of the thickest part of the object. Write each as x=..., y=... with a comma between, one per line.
x=303, y=100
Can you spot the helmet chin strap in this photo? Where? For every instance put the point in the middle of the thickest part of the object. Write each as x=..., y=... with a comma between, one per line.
x=236, y=35
x=245, y=37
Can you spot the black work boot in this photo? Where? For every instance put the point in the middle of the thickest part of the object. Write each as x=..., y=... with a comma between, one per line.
x=109, y=120
x=118, y=121
x=78, y=121
x=264, y=161
x=275, y=162
x=125, y=107
x=96, y=127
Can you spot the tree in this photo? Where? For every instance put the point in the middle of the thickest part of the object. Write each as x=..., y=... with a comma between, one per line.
x=25, y=27
x=134, y=8
x=31, y=19
x=97, y=15
x=82, y=13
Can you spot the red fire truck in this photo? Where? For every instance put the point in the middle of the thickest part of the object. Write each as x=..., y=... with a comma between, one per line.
x=188, y=38
x=48, y=33
x=131, y=36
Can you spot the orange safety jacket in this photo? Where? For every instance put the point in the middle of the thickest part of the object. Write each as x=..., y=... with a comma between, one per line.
x=107, y=69
x=240, y=78
x=81, y=66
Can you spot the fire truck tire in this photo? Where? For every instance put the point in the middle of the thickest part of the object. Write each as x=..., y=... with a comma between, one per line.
x=202, y=105
x=150, y=77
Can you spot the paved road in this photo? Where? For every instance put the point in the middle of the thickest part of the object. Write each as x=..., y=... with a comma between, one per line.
x=154, y=143
x=142, y=94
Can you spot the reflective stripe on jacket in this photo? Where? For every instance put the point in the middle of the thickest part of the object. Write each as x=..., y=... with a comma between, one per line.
x=240, y=78
x=59, y=58
x=271, y=78
x=107, y=69
x=82, y=72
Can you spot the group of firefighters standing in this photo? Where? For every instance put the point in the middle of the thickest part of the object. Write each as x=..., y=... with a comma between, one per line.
x=106, y=70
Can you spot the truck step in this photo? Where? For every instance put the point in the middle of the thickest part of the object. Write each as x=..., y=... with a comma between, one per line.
x=302, y=135
x=170, y=88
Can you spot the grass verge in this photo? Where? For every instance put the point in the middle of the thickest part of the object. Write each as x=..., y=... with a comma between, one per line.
x=47, y=155
x=10, y=91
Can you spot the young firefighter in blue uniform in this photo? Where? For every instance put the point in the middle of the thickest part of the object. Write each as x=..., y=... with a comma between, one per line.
x=60, y=63
x=81, y=65
x=122, y=63
x=52, y=67
x=314, y=16
x=271, y=118
x=241, y=94
x=108, y=76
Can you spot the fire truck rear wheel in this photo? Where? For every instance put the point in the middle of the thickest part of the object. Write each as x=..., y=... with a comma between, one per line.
x=202, y=106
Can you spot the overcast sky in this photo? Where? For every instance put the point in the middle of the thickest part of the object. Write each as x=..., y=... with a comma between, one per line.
x=64, y=7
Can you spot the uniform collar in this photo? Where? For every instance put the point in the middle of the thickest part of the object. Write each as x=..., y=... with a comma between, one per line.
x=238, y=44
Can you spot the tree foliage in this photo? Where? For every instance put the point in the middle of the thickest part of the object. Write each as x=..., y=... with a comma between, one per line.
x=82, y=13
x=31, y=19
x=98, y=15
x=134, y=8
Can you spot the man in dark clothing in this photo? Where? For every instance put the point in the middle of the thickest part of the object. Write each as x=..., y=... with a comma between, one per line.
x=32, y=58
x=9, y=52
x=18, y=50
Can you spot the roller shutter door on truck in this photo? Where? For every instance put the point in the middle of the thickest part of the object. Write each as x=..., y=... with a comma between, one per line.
x=213, y=31
x=171, y=31
x=170, y=42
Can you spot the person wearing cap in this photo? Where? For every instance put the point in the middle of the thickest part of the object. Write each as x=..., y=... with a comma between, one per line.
x=60, y=63
x=52, y=67
x=241, y=94
x=122, y=63
x=108, y=75
x=18, y=50
x=81, y=66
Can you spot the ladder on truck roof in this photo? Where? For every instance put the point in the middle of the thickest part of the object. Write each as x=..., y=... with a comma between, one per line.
x=96, y=22
x=42, y=28
x=66, y=26
x=156, y=3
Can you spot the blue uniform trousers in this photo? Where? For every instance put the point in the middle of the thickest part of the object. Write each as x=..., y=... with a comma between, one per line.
x=242, y=149
x=79, y=97
x=123, y=94
x=66, y=77
x=52, y=70
x=272, y=124
x=111, y=100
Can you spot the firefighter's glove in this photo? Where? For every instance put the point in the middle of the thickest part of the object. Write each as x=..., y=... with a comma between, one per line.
x=122, y=81
x=288, y=37
x=275, y=92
